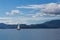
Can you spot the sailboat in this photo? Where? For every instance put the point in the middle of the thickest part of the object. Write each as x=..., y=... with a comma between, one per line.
x=18, y=27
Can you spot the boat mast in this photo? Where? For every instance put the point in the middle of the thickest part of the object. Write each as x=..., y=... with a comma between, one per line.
x=18, y=25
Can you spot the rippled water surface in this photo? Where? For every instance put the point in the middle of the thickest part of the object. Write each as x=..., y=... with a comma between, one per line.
x=30, y=34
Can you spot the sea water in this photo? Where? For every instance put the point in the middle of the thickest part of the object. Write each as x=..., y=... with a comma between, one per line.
x=30, y=34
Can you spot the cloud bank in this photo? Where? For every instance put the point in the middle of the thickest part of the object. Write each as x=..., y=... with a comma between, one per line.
x=50, y=9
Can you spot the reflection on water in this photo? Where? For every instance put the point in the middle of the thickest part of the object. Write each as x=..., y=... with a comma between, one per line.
x=30, y=34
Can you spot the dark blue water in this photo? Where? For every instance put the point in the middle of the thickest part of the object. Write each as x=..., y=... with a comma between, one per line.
x=30, y=34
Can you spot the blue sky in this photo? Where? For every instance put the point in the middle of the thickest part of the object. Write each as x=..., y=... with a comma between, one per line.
x=29, y=11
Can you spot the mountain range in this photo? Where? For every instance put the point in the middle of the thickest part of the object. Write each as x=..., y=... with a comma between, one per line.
x=48, y=24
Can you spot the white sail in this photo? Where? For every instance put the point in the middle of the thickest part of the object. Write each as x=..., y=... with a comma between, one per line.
x=18, y=27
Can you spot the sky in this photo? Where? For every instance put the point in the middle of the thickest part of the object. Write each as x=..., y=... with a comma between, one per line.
x=29, y=11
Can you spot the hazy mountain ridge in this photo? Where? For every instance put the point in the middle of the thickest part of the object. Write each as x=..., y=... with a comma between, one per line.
x=53, y=23
x=49, y=24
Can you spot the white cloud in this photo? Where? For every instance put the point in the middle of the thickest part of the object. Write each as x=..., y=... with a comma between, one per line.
x=23, y=20
x=12, y=12
x=31, y=6
x=2, y=18
x=10, y=20
x=5, y=20
x=50, y=9
x=15, y=12
x=37, y=18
